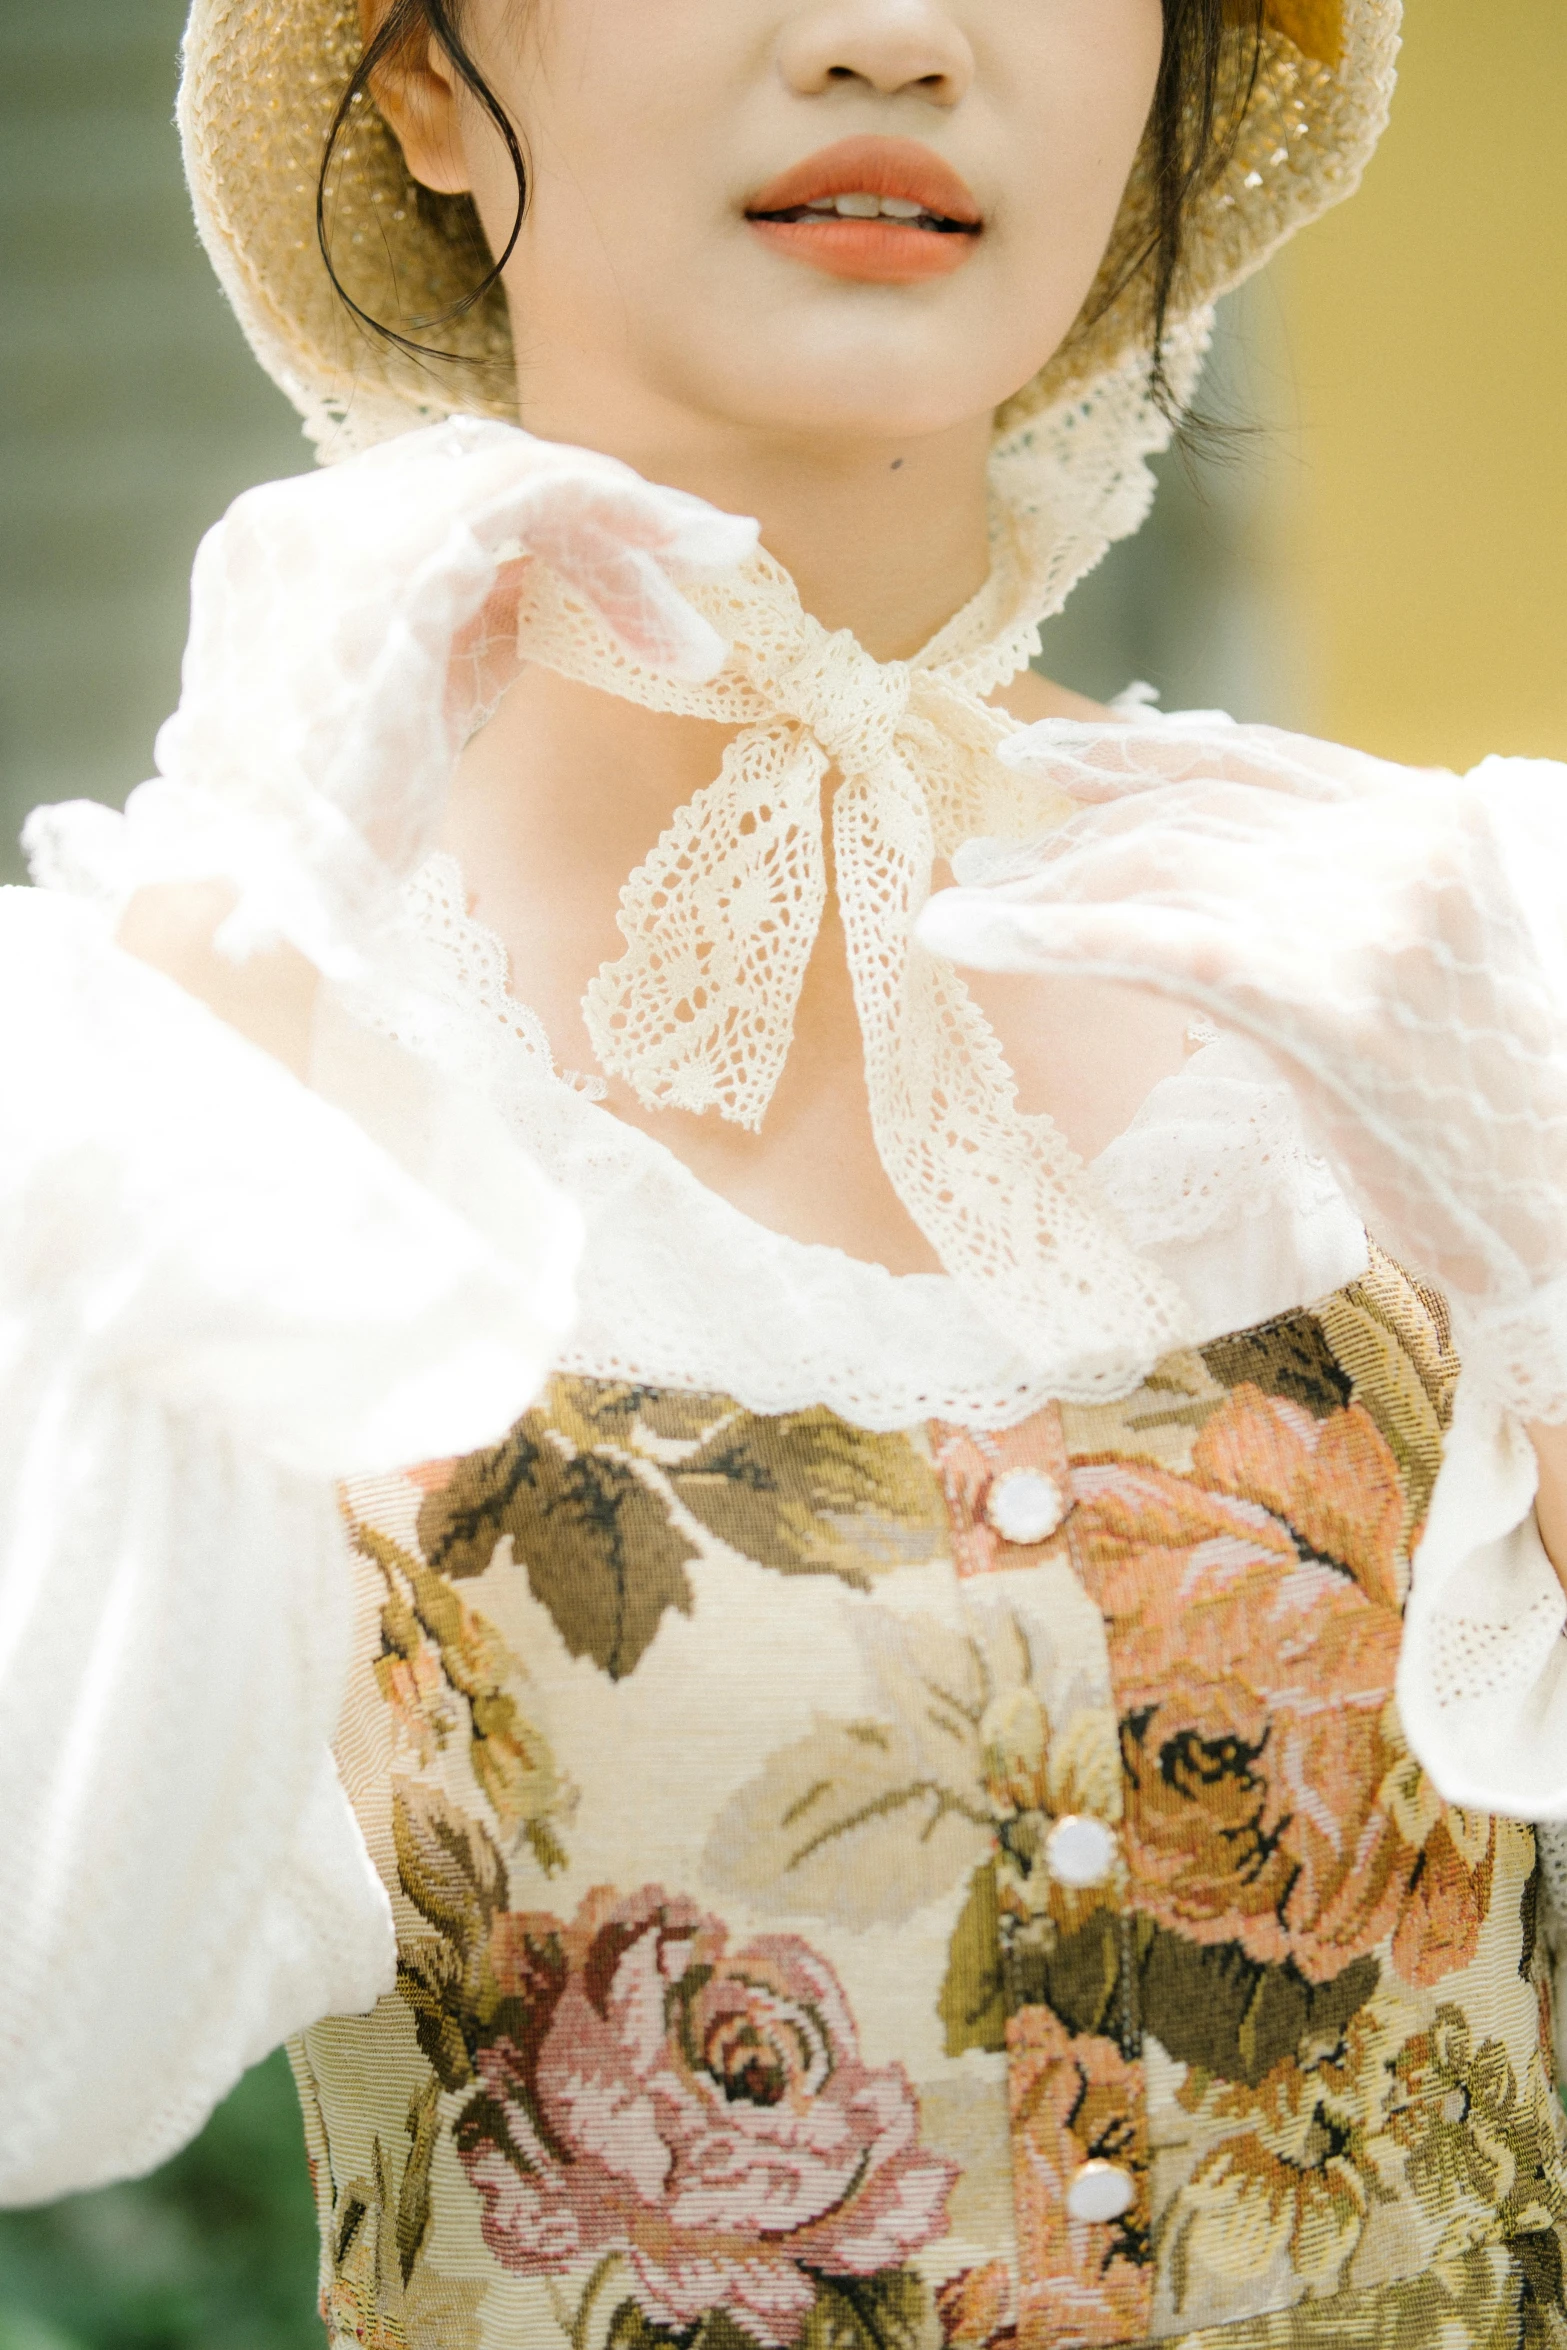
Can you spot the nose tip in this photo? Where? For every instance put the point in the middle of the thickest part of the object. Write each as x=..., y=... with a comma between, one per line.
x=891, y=47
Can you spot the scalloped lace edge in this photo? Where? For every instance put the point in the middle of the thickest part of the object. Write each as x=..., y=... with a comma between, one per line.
x=782, y=1324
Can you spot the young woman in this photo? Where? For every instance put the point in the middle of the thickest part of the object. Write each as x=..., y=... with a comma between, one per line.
x=936, y=1751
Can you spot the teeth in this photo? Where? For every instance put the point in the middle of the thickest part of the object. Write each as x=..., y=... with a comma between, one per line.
x=864, y=207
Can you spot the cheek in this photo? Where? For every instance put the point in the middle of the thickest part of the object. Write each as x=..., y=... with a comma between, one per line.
x=1089, y=88
x=622, y=105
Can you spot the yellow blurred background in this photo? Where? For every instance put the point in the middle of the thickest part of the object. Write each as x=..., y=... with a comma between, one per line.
x=1414, y=513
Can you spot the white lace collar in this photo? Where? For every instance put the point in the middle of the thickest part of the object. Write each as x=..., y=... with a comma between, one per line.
x=1212, y=1180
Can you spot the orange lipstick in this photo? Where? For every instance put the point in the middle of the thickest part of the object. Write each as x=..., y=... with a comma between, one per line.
x=885, y=211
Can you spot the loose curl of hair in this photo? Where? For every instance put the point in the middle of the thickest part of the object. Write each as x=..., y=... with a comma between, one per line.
x=1200, y=100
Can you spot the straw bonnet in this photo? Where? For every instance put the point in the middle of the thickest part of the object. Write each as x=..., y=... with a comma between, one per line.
x=261, y=83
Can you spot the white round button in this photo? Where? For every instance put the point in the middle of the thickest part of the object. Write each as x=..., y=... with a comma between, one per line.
x=1100, y=2191
x=1079, y=1850
x=1025, y=1505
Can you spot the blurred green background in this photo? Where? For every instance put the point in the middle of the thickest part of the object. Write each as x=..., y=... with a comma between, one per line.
x=217, y=2251
x=131, y=411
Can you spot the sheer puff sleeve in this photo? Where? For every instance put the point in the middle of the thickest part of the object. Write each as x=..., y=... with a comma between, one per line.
x=1394, y=941
x=218, y=1295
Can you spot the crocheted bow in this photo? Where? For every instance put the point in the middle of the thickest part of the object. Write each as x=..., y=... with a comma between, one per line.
x=720, y=921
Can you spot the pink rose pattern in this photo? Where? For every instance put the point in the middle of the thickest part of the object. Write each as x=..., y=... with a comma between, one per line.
x=701, y=2111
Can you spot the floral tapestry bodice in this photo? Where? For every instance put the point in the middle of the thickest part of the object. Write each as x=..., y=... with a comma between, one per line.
x=876, y=1891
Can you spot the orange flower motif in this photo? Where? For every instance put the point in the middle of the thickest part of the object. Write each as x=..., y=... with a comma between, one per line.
x=414, y=1687
x=1252, y=1611
x=977, y=2307
x=1075, y=2099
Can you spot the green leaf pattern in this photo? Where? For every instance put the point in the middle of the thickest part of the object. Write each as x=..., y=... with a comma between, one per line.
x=604, y=1493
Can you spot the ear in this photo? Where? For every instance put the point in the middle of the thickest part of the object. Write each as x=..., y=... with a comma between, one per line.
x=415, y=90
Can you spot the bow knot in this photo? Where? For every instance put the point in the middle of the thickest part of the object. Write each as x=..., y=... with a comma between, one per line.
x=720, y=921
x=852, y=704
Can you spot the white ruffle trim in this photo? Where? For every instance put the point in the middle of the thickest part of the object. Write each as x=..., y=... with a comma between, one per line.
x=678, y=1288
x=1482, y=1676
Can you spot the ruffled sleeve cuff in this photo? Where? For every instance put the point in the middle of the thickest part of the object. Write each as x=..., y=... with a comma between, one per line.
x=1215, y=1180
x=1482, y=1684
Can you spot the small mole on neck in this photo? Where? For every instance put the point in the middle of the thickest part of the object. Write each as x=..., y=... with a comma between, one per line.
x=897, y=461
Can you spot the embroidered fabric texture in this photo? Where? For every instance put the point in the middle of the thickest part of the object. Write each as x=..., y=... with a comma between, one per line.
x=781, y=1325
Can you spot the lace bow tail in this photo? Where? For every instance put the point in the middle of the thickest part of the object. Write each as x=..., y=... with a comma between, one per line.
x=999, y=1195
x=719, y=921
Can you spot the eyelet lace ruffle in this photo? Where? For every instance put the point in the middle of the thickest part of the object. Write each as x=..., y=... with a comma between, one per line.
x=782, y=1324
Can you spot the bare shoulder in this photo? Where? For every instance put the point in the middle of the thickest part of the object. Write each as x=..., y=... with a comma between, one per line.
x=1030, y=696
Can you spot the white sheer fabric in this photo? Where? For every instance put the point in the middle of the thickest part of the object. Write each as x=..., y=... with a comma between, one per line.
x=1482, y=1683
x=1396, y=940
x=349, y=630
x=216, y=1297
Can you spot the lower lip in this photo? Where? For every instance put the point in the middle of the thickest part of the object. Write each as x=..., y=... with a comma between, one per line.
x=877, y=252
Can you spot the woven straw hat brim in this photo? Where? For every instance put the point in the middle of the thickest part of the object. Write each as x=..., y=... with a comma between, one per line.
x=261, y=85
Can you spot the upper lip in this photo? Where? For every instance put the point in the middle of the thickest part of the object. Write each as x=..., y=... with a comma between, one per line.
x=872, y=167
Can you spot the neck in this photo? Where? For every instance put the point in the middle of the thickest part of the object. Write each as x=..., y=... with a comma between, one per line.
x=887, y=538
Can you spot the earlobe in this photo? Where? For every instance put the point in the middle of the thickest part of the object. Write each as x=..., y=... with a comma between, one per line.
x=415, y=91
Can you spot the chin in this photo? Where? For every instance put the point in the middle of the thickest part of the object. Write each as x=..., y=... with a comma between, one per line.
x=900, y=409
x=863, y=385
